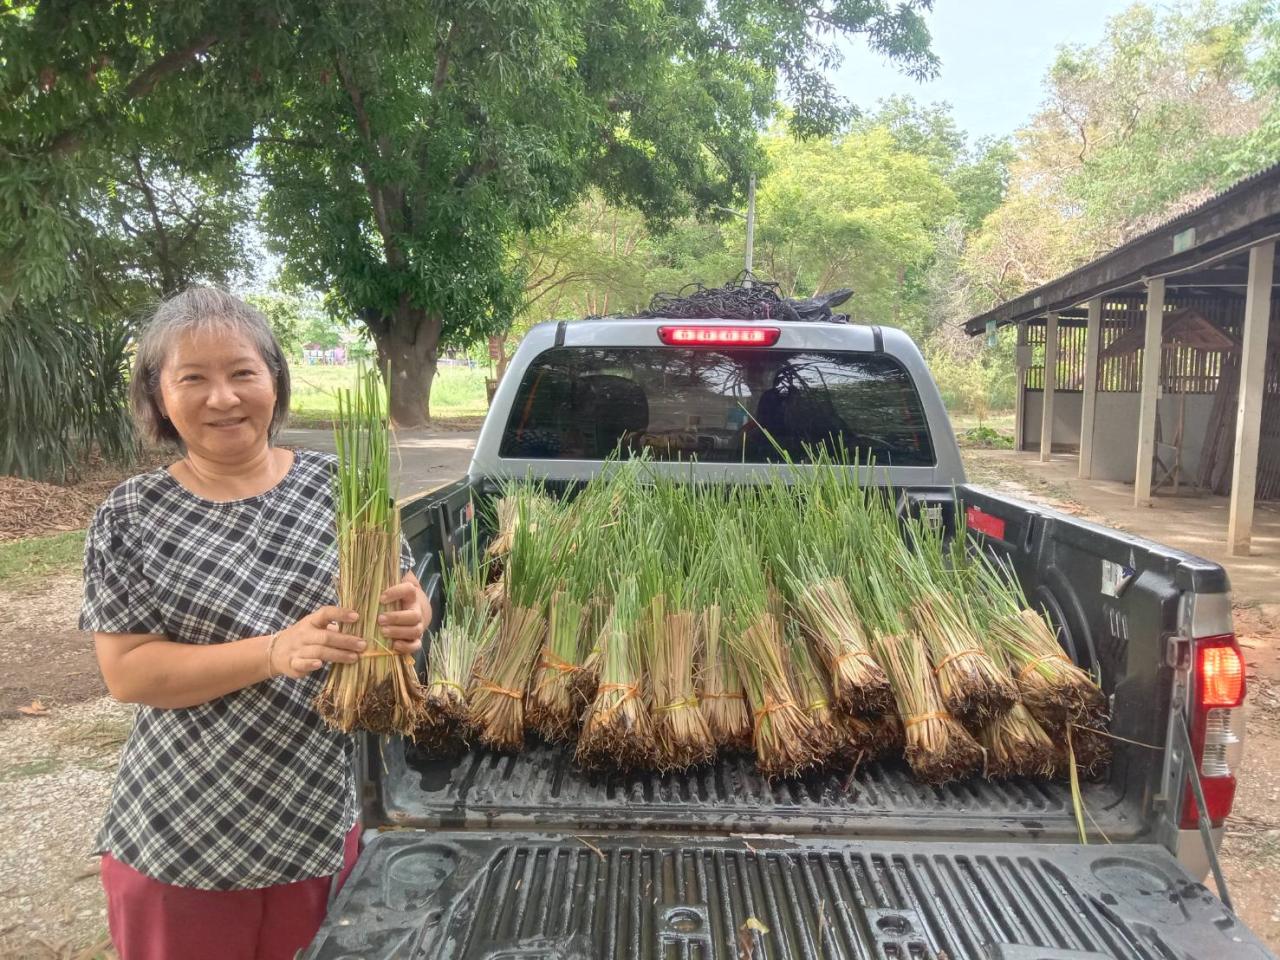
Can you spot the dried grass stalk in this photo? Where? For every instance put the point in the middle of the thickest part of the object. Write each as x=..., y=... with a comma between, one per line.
x=723, y=699
x=680, y=731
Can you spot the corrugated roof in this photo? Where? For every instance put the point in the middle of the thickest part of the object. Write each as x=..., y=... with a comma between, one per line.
x=1221, y=220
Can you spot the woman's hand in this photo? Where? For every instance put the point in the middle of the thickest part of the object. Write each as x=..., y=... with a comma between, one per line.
x=314, y=641
x=405, y=626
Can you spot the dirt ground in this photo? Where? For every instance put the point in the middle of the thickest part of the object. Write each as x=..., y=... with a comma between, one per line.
x=56, y=770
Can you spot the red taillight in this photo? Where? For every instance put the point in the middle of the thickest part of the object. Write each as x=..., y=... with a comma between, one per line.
x=1219, y=688
x=1220, y=675
x=719, y=336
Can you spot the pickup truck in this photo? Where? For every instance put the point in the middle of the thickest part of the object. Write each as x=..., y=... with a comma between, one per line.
x=484, y=855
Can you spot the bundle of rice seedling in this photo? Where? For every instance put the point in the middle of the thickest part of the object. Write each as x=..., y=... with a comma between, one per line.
x=722, y=697
x=824, y=606
x=974, y=688
x=502, y=671
x=1052, y=687
x=781, y=730
x=554, y=707
x=380, y=692
x=1017, y=745
x=469, y=627
x=680, y=730
x=812, y=687
x=617, y=731
x=937, y=747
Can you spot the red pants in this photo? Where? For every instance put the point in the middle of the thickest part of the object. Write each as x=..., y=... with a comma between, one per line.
x=150, y=920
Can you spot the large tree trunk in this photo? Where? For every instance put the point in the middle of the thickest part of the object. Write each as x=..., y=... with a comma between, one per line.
x=407, y=342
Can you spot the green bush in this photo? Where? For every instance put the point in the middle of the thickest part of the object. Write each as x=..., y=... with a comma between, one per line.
x=63, y=391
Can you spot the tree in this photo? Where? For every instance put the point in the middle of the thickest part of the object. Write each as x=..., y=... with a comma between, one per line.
x=415, y=141
x=1168, y=108
x=109, y=199
x=853, y=211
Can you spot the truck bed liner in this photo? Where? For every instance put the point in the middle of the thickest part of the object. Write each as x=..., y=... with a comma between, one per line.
x=459, y=896
x=543, y=787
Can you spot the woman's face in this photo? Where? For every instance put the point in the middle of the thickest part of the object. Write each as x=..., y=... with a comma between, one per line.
x=218, y=393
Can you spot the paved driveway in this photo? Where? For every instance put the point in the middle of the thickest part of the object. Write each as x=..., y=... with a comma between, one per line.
x=424, y=458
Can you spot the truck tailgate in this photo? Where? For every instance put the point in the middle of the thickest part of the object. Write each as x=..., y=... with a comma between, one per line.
x=456, y=895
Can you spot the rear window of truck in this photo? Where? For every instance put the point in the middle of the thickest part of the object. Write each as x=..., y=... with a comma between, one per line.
x=716, y=405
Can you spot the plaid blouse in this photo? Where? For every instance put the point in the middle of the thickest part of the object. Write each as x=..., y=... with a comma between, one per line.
x=251, y=789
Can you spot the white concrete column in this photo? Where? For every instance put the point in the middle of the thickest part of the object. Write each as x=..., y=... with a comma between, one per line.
x=1021, y=361
x=1253, y=355
x=1092, y=346
x=1050, y=385
x=1151, y=359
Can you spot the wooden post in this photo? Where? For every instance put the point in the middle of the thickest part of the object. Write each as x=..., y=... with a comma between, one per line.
x=1092, y=347
x=1253, y=354
x=1050, y=385
x=1152, y=351
x=1020, y=364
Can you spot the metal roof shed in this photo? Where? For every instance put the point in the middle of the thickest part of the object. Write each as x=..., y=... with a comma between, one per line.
x=1218, y=261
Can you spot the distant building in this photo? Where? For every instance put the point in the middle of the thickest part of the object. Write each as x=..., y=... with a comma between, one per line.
x=315, y=353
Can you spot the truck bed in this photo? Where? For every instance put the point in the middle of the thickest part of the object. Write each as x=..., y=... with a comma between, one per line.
x=542, y=788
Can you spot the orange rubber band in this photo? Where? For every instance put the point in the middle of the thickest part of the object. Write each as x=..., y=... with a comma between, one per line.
x=859, y=654
x=551, y=662
x=771, y=706
x=932, y=715
x=382, y=653
x=493, y=687
x=631, y=689
x=967, y=652
x=1039, y=660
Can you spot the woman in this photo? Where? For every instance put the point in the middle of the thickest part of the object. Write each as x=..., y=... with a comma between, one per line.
x=209, y=586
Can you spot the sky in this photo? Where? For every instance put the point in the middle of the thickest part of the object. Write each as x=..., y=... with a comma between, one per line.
x=994, y=57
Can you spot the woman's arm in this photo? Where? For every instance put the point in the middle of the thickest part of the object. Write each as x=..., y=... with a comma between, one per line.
x=149, y=669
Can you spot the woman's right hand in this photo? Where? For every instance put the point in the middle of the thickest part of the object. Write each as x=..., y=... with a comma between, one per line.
x=313, y=641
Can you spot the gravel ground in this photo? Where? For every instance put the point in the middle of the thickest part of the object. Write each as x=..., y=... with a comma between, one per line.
x=55, y=781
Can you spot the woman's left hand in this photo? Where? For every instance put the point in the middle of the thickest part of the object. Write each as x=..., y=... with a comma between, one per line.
x=405, y=626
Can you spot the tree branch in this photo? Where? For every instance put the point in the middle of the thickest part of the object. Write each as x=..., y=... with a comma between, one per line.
x=442, y=60
x=70, y=139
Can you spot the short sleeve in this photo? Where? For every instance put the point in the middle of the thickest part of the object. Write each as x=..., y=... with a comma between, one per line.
x=117, y=597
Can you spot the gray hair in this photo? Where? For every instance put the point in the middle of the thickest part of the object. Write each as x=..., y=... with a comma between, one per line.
x=199, y=308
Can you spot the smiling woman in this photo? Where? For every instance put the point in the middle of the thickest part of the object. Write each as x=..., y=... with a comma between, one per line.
x=209, y=586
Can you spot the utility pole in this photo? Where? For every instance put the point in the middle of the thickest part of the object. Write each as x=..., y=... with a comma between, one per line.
x=751, y=226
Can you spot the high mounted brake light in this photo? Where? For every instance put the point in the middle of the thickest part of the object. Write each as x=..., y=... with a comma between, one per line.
x=696, y=336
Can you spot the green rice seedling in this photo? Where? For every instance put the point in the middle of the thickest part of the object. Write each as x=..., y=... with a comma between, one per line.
x=380, y=692
x=502, y=671
x=937, y=747
x=469, y=627
x=617, y=732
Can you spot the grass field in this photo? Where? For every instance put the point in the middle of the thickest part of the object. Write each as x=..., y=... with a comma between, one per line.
x=24, y=562
x=456, y=392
